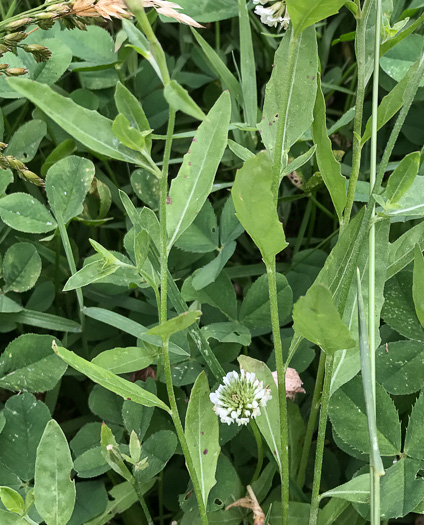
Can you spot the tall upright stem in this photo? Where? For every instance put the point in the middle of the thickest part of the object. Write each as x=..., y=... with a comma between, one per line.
x=282, y=402
x=359, y=110
x=375, y=478
x=313, y=517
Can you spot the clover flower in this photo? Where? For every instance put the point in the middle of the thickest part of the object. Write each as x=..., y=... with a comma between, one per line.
x=273, y=15
x=240, y=398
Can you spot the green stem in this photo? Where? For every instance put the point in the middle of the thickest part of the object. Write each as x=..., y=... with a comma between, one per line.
x=280, y=139
x=142, y=501
x=136, y=7
x=359, y=109
x=30, y=12
x=310, y=429
x=181, y=436
x=375, y=475
x=260, y=448
x=282, y=401
x=163, y=317
x=313, y=517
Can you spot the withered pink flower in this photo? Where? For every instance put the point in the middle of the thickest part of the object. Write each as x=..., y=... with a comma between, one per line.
x=293, y=383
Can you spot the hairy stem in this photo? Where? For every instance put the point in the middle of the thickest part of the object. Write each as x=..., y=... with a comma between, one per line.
x=282, y=402
x=359, y=110
x=310, y=429
x=313, y=517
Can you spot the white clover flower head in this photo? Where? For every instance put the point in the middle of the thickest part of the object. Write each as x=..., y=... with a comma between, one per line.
x=240, y=398
x=274, y=14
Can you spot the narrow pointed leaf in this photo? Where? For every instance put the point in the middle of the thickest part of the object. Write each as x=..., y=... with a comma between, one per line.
x=418, y=284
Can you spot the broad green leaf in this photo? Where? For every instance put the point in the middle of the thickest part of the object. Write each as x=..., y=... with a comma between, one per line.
x=126, y=360
x=87, y=126
x=348, y=416
x=110, y=381
x=228, y=486
x=28, y=365
x=21, y=267
x=357, y=490
x=398, y=61
x=12, y=500
x=179, y=99
x=63, y=150
x=105, y=404
x=190, y=189
x=24, y=213
x=26, y=140
x=130, y=107
x=25, y=421
x=176, y=324
x=202, y=435
x=136, y=417
x=302, y=90
x=411, y=204
x=255, y=209
x=9, y=518
x=67, y=184
x=7, y=305
x=399, y=309
x=390, y=104
x=90, y=273
x=400, y=367
x=255, y=309
x=129, y=136
x=205, y=11
x=316, y=318
x=304, y=13
x=414, y=445
x=157, y=450
x=54, y=489
x=418, y=284
x=402, y=178
x=95, y=46
x=44, y=73
x=6, y=178
x=269, y=420
x=209, y=273
x=330, y=169
x=332, y=510
x=202, y=234
x=227, y=333
x=401, y=251
x=146, y=187
x=240, y=151
x=219, y=294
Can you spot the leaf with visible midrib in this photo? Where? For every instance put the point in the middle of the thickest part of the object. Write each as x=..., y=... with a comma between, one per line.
x=202, y=434
x=89, y=127
x=190, y=189
x=54, y=491
x=304, y=13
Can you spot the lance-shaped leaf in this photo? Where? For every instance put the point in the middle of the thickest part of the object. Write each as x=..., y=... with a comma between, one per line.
x=402, y=178
x=176, y=324
x=255, y=209
x=418, y=284
x=179, y=99
x=269, y=420
x=329, y=167
x=54, y=490
x=304, y=13
x=202, y=434
x=302, y=89
x=112, y=382
x=190, y=189
x=316, y=318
